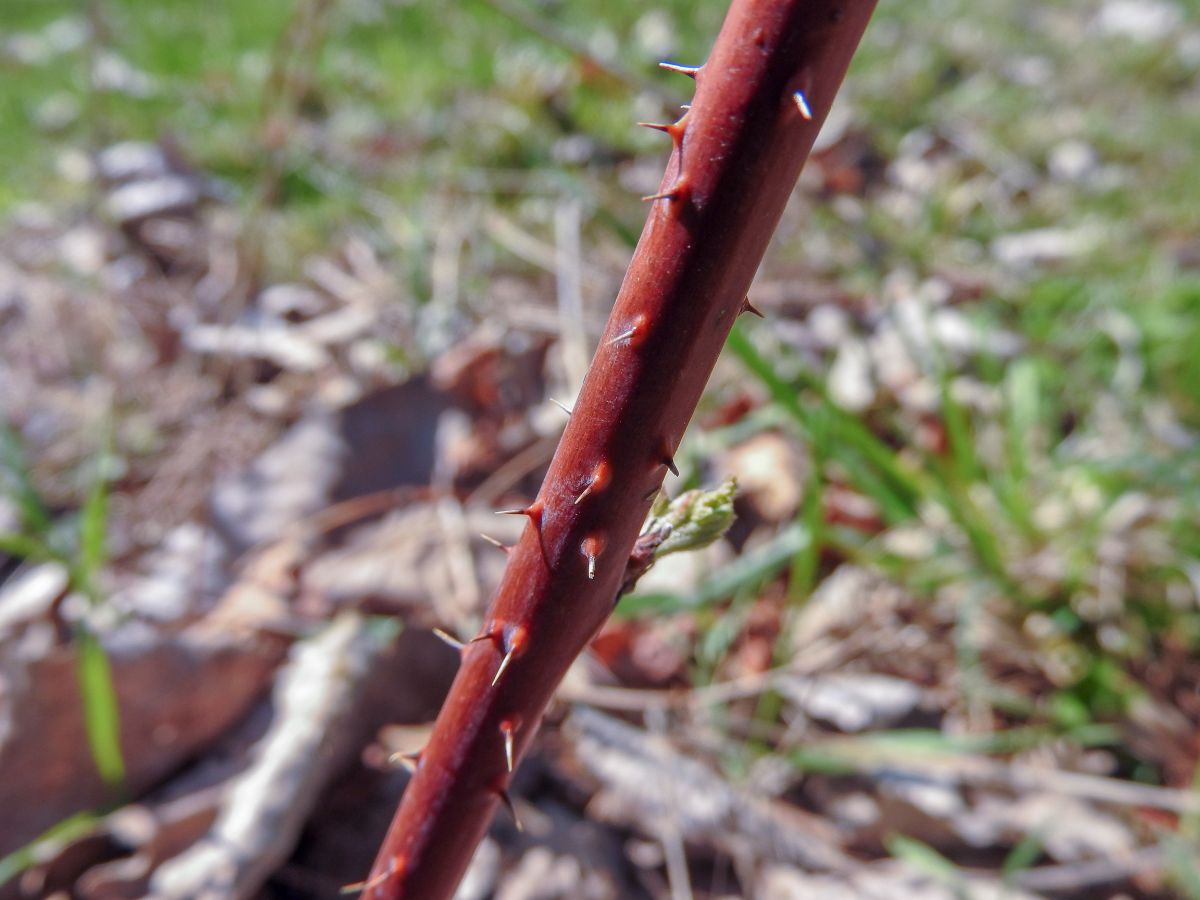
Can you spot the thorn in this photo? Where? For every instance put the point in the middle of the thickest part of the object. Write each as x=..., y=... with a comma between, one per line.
x=449, y=639
x=685, y=106
x=561, y=406
x=395, y=864
x=507, y=729
x=533, y=510
x=513, y=642
x=748, y=307
x=495, y=543
x=689, y=71
x=600, y=478
x=503, y=665
x=408, y=760
x=665, y=129
x=592, y=547
x=512, y=810
x=671, y=467
x=669, y=194
x=802, y=105
x=629, y=332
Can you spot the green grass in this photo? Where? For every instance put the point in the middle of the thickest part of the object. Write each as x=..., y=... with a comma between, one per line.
x=81, y=548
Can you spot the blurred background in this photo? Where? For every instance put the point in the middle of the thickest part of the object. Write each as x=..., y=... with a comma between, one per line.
x=286, y=289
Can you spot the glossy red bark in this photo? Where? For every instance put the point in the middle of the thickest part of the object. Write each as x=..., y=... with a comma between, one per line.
x=737, y=154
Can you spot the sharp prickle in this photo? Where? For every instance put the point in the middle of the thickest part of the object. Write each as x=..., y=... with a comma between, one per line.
x=689, y=71
x=512, y=810
x=669, y=194
x=495, y=543
x=448, y=638
x=508, y=658
x=748, y=307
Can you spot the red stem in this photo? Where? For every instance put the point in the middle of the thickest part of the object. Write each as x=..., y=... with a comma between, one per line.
x=737, y=154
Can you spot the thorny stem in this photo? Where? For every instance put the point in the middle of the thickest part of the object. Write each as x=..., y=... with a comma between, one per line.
x=759, y=103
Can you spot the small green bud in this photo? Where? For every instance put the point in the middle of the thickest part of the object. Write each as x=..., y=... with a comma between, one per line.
x=694, y=519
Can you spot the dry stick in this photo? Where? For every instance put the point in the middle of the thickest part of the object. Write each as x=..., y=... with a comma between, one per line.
x=759, y=102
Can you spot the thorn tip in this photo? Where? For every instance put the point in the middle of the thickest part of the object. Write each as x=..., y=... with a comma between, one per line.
x=512, y=810
x=503, y=666
x=689, y=71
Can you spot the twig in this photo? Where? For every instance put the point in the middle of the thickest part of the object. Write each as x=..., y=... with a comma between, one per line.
x=265, y=809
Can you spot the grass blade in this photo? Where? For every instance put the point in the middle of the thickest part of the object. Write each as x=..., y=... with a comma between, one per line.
x=100, y=709
x=23, y=546
x=892, y=485
x=16, y=481
x=93, y=542
x=32, y=853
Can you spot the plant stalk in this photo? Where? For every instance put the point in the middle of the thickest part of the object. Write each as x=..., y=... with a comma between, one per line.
x=759, y=103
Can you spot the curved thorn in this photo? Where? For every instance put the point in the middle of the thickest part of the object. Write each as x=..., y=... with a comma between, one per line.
x=561, y=406
x=802, y=105
x=447, y=638
x=671, y=467
x=748, y=307
x=689, y=71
